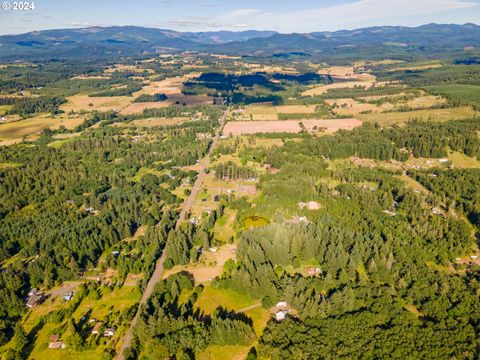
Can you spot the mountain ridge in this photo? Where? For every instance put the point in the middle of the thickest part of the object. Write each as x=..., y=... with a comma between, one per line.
x=135, y=40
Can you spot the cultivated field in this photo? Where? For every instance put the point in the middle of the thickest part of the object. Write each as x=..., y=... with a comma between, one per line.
x=79, y=103
x=296, y=109
x=237, y=128
x=362, y=80
x=13, y=132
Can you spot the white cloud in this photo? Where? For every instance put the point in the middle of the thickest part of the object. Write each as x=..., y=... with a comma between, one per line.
x=355, y=14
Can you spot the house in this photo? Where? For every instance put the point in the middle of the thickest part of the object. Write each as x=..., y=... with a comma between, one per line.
x=97, y=327
x=109, y=332
x=312, y=271
x=68, y=296
x=34, y=300
x=33, y=291
x=313, y=205
x=281, y=304
x=56, y=345
x=280, y=315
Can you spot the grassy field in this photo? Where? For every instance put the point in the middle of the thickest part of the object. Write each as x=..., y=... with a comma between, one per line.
x=295, y=109
x=413, y=184
x=223, y=229
x=224, y=353
x=143, y=171
x=33, y=126
x=229, y=299
x=463, y=161
x=118, y=299
x=400, y=118
x=211, y=298
x=259, y=112
x=78, y=103
x=4, y=109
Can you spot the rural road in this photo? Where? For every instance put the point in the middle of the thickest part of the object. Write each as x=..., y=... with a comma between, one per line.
x=157, y=274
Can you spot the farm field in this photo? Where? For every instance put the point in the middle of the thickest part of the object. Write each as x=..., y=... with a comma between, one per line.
x=400, y=118
x=237, y=128
x=360, y=80
x=79, y=103
x=16, y=130
x=278, y=204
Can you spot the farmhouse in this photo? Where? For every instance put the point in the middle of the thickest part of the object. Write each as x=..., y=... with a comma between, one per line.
x=312, y=271
x=68, y=296
x=34, y=300
x=56, y=345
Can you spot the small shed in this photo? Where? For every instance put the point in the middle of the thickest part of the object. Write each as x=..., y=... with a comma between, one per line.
x=109, y=332
x=97, y=327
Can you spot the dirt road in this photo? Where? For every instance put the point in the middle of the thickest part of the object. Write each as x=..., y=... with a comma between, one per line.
x=157, y=274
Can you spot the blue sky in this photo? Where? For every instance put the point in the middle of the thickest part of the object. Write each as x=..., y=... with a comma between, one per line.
x=205, y=15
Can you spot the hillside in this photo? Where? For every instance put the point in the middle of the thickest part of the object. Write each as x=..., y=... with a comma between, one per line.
x=428, y=41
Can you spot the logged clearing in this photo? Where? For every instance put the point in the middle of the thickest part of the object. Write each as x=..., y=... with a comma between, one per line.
x=79, y=103
x=400, y=118
x=237, y=128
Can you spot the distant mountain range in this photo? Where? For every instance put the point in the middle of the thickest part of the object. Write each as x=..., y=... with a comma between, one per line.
x=432, y=40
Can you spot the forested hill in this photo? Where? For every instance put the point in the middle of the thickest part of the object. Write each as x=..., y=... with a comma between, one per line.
x=430, y=40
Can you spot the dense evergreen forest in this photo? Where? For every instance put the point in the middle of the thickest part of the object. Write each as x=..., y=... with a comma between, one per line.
x=62, y=208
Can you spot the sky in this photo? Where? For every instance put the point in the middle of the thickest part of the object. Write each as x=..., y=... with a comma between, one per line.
x=285, y=16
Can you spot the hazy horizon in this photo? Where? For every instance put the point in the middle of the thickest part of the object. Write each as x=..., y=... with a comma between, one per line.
x=201, y=16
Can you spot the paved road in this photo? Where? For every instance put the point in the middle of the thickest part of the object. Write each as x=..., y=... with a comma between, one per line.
x=157, y=274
